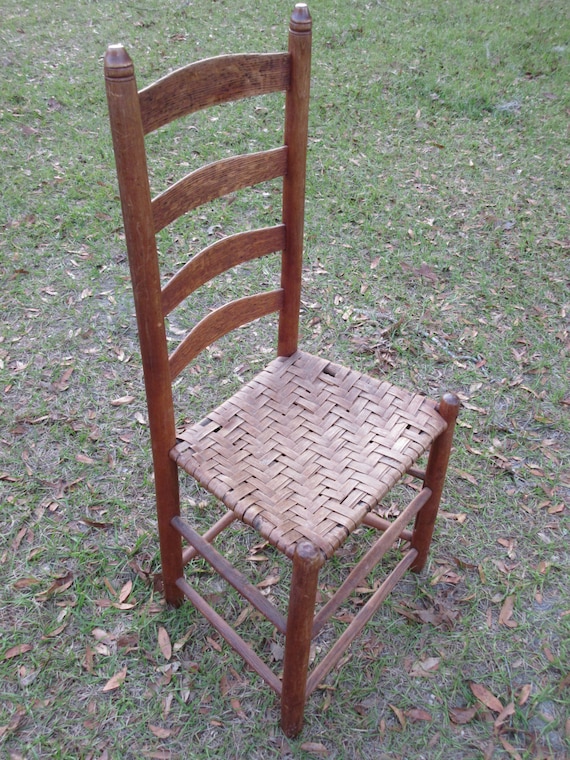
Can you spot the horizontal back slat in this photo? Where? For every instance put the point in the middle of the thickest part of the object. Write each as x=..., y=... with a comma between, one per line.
x=220, y=322
x=218, y=258
x=216, y=180
x=211, y=82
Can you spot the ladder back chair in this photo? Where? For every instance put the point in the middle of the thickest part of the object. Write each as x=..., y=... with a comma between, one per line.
x=304, y=452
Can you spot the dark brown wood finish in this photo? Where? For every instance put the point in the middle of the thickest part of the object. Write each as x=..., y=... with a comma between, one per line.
x=216, y=180
x=305, y=452
x=130, y=157
x=219, y=257
x=211, y=82
x=307, y=562
x=296, y=132
x=434, y=480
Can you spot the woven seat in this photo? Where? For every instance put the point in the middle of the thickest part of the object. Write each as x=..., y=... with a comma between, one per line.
x=306, y=450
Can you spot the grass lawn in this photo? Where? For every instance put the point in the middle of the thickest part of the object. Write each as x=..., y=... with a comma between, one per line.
x=437, y=256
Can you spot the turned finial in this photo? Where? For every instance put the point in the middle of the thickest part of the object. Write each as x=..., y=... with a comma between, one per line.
x=118, y=63
x=300, y=18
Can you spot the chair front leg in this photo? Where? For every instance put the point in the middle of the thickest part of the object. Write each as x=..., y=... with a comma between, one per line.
x=435, y=478
x=306, y=565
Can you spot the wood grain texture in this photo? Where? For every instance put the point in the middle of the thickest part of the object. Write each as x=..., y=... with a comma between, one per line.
x=233, y=638
x=296, y=135
x=231, y=574
x=220, y=322
x=216, y=180
x=219, y=257
x=211, y=82
x=130, y=159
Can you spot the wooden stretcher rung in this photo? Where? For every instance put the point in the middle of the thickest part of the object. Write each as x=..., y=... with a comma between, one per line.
x=370, y=559
x=355, y=627
x=231, y=574
x=228, y=633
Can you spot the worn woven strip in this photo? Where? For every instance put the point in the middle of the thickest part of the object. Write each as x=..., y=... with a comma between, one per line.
x=307, y=448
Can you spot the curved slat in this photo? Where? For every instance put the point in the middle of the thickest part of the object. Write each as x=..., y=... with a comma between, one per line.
x=211, y=82
x=222, y=321
x=215, y=180
x=218, y=258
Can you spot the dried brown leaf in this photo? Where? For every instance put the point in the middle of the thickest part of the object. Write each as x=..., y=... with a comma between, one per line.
x=57, y=587
x=416, y=714
x=214, y=644
x=125, y=592
x=62, y=384
x=159, y=731
x=55, y=632
x=95, y=523
x=524, y=694
x=122, y=401
x=116, y=681
x=462, y=715
x=25, y=583
x=510, y=749
x=13, y=725
x=505, y=713
x=315, y=748
x=425, y=668
x=400, y=715
x=84, y=459
x=178, y=645
x=271, y=580
x=236, y=707
x=486, y=697
x=164, y=643
x=16, y=651
x=506, y=613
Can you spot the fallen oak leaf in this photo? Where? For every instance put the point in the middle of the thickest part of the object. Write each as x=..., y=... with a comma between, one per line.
x=124, y=605
x=122, y=401
x=125, y=592
x=315, y=748
x=95, y=523
x=13, y=724
x=425, y=668
x=62, y=384
x=57, y=587
x=486, y=697
x=55, y=632
x=416, y=714
x=237, y=708
x=25, y=582
x=164, y=643
x=159, y=731
x=400, y=715
x=16, y=651
x=506, y=613
x=504, y=714
x=271, y=580
x=462, y=715
x=84, y=459
x=524, y=694
x=116, y=681
x=509, y=748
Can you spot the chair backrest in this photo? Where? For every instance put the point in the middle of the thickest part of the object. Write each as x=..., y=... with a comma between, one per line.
x=133, y=115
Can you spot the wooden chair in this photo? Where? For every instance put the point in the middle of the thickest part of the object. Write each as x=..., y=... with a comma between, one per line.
x=303, y=453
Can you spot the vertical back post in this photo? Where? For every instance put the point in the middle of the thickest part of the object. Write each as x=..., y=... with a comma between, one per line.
x=296, y=132
x=130, y=158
